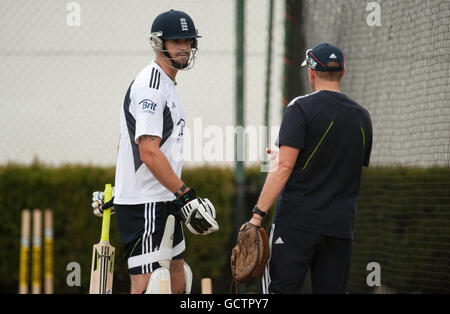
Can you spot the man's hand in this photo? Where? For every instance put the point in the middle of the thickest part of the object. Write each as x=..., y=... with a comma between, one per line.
x=98, y=198
x=198, y=213
x=273, y=153
x=256, y=220
x=273, y=159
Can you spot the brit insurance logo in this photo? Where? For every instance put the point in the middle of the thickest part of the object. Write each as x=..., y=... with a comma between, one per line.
x=148, y=106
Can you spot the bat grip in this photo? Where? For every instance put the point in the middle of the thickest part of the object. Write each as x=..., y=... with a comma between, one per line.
x=106, y=214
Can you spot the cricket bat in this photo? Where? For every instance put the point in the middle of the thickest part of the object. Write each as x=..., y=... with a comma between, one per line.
x=24, y=251
x=102, y=270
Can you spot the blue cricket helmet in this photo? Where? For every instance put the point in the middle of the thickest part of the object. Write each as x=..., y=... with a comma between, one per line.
x=174, y=25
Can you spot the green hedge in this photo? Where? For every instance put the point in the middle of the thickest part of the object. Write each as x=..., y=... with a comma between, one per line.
x=67, y=191
x=403, y=223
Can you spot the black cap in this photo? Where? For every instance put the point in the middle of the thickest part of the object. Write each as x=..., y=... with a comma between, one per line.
x=319, y=57
x=174, y=25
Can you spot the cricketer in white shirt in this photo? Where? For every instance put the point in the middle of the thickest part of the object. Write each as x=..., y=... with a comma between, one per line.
x=151, y=107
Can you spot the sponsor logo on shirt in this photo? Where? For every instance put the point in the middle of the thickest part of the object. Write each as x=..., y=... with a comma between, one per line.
x=148, y=106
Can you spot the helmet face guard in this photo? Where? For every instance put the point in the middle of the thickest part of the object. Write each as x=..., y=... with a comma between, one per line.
x=174, y=25
x=157, y=44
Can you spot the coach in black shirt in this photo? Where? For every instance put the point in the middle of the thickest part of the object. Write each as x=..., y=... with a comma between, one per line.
x=325, y=138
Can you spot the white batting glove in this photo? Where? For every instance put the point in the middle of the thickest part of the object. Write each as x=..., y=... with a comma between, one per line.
x=98, y=205
x=199, y=216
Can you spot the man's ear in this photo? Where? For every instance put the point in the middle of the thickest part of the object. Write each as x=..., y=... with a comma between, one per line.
x=311, y=77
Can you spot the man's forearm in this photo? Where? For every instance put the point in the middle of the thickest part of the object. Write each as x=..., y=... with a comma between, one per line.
x=272, y=187
x=159, y=166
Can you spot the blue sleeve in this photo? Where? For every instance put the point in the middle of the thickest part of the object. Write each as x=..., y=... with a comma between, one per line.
x=368, y=148
x=293, y=128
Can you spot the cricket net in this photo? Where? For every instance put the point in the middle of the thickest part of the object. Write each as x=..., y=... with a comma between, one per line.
x=397, y=61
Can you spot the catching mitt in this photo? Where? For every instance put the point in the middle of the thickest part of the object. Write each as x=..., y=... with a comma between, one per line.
x=251, y=253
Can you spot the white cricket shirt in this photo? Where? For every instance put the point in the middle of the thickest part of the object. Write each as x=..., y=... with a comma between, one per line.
x=151, y=107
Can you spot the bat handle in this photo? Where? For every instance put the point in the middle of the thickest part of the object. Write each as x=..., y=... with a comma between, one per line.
x=106, y=214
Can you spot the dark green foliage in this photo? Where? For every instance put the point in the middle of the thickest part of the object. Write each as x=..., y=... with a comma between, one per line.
x=403, y=223
x=68, y=191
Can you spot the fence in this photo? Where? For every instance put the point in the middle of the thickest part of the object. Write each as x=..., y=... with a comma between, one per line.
x=397, y=60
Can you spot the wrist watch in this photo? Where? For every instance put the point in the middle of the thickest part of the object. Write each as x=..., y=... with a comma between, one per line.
x=180, y=190
x=258, y=211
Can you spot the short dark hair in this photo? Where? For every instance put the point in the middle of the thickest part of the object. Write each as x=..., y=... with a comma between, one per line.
x=330, y=76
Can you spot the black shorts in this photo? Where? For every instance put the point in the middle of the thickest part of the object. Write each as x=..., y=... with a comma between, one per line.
x=141, y=228
x=294, y=252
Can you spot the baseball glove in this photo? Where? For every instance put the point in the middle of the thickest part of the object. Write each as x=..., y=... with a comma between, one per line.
x=251, y=253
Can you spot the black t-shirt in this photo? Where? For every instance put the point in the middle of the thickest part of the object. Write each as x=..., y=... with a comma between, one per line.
x=334, y=135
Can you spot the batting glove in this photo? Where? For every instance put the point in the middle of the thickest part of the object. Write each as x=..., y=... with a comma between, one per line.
x=98, y=205
x=198, y=214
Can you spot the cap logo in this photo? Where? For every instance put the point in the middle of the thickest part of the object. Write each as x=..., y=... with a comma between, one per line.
x=184, y=25
x=311, y=63
x=333, y=56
